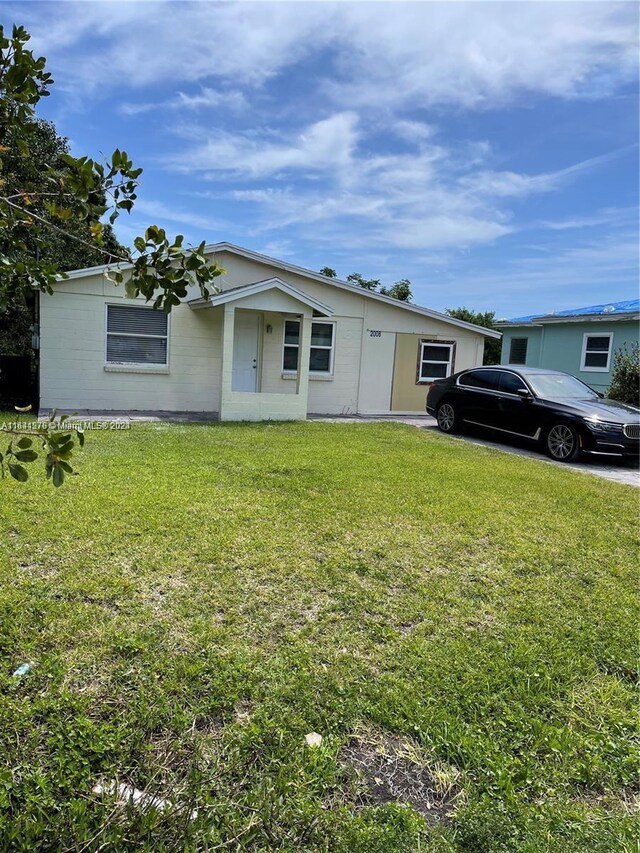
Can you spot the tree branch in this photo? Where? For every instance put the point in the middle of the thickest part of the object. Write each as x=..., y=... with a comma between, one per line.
x=94, y=246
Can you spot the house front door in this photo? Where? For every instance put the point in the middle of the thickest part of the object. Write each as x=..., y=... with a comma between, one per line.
x=245, y=352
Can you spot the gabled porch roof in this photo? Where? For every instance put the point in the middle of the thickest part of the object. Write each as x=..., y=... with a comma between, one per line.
x=243, y=291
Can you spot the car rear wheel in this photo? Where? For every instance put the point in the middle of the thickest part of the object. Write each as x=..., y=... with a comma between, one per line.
x=447, y=418
x=562, y=443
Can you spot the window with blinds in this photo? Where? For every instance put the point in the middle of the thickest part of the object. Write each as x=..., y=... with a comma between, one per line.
x=136, y=335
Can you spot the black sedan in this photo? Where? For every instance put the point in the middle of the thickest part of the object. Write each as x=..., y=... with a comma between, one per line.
x=555, y=410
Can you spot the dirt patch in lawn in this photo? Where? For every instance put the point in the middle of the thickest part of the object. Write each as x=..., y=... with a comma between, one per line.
x=626, y=800
x=387, y=769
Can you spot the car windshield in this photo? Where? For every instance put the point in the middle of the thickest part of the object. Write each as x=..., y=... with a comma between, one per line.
x=560, y=386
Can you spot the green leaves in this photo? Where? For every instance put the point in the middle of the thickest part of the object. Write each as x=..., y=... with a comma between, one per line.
x=25, y=455
x=401, y=290
x=81, y=191
x=18, y=472
x=625, y=379
x=58, y=475
x=492, y=346
x=75, y=196
x=57, y=444
x=165, y=270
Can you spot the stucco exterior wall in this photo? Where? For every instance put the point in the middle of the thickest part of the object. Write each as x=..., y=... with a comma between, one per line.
x=558, y=346
x=408, y=394
x=272, y=347
x=72, y=356
x=339, y=394
x=533, y=335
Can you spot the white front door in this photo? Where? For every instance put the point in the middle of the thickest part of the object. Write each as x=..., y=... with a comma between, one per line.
x=245, y=352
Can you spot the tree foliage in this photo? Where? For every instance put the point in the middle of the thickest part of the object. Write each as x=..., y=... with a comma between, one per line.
x=400, y=290
x=56, y=441
x=625, y=378
x=79, y=198
x=329, y=272
x=31, y=173
x=487, y=319
x=47, y=153
x=80, y=189
x=16, y=324
x=361, y=281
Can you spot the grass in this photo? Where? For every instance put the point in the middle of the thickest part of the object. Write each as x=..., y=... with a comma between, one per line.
x=202, y=597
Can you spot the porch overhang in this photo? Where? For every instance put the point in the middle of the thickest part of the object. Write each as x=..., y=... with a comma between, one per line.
x=248, y=292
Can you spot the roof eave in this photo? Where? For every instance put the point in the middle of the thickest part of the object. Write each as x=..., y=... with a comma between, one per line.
x=213, y=248
x=580, y=318
x=255, y=288
x=354, y=288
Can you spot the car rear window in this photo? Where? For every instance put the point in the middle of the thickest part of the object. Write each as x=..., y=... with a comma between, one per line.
x=487, y=379
x=511, y=384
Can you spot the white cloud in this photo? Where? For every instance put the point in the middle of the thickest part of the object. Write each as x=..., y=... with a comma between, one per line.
x=413, y=131
x=483, y=54
x=512, y=184
x=148, y=42
x=324, y=145
x=325, y=181
x=582, y=273
x=441, y=232
x=205, y=98
x=381, y=54
x=161, y=212
x=377, y=69
x=607, y=216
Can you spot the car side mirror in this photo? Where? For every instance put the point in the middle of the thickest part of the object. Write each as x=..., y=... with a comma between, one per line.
x=524, y=393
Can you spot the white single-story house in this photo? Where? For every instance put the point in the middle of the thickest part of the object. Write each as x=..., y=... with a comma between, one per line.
x=277, y=342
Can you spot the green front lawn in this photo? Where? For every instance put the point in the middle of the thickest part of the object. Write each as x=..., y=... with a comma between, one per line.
x=200, y=598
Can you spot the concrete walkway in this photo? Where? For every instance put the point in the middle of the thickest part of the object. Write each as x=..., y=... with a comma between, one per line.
x=130, y=416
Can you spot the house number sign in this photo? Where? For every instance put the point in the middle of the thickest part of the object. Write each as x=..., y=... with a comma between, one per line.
x=375, y=333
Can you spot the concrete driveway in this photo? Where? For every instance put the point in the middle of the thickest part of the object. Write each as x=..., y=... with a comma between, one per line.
x=607, y=467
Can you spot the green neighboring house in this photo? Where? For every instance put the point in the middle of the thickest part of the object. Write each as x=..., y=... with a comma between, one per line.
x=581, y=341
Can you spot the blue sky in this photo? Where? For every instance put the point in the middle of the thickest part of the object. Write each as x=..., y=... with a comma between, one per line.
x=486, y=151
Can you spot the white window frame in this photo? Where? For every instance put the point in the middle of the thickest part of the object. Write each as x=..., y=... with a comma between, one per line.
x=586, y=351
x=134, y=365
x=332, y=348
x=421, y=360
